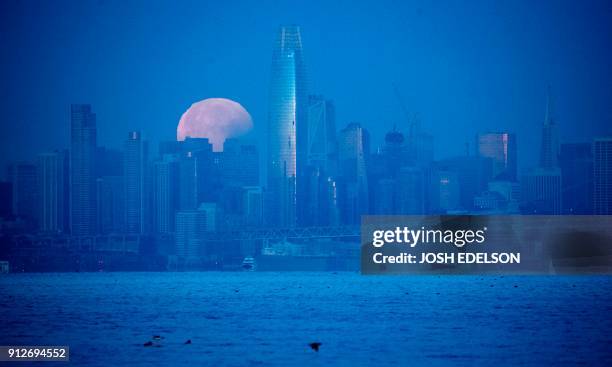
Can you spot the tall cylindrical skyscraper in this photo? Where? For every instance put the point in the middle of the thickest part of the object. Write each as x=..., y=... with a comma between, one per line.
x=287, y=130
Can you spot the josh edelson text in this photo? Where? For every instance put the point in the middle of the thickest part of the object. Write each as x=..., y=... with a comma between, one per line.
x=441, y=255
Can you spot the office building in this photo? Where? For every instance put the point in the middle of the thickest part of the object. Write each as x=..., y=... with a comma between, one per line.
x=549, y=151
x=412, y=191
x=53, y=194
x=136, y=184
x=82, y=170
x=253, y=202
x=238, y=164
x=287, y=132
x=500, y=148
x=110, y=194
x=353, y=148
x=576, y=163
x=23, y=178
x=190, y=229
x=602, y=164
x=165, y=193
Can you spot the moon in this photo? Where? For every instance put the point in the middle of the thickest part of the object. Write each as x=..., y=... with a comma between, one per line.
x=216, y=119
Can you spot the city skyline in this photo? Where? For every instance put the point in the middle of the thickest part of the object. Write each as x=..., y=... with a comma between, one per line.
x=448, y=82
x=309, y=161
x=308, y=172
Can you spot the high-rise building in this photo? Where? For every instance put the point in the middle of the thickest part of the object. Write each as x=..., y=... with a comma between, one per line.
x=199, y=172
x=213, y=215
x=419, y=146
x=23, y=178
x=472, y=173
x=110, y=193
x=239, y=164
x=500, y=147
x=549, y=151
x=188, y=185
x=53, y=194
x=353, y=148
x=541, y=187
x=320, y=208
x=169, y=147
x=287, y=130
x=541, y=191
x=448, y=191
x=386, y=197
x=394, y=153
x=135, y=169
x=602, y=164
x=109, y=162
x=82, y=170
x=253, y=206
x=322, y=142
x=576, y=162
x=190, y=229
x=165, y=193
x=412, y=191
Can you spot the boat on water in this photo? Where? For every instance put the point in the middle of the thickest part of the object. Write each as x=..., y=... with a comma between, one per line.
x=249, y=264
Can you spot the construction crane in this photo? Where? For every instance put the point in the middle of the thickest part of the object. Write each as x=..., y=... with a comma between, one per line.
x=410, y=119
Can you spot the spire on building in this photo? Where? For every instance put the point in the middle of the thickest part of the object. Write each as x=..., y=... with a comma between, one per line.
x=549, y=149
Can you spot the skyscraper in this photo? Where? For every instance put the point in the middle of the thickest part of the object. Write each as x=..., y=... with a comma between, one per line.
x=322, y=163
x=23, y=178
x=473, y=174
x=541, y=192
x=419, y=146
x=188, y=184
x=541, y=188
x=353, y=148
x=252, y=206
x=238, y=164
x=287, y=129
x=602, y=163
x=500, y=147
x=82, y=170
x=165, y=193
x=322, y=143
x=136, y=184
x=110, y=193
x=448, y=197
x=576, y=162
x=549, y=151
x=412, y=192
x=52, y=174
x=394, y=153
x=190, y=228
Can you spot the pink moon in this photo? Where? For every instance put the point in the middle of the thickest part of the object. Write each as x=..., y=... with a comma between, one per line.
x=216, y=119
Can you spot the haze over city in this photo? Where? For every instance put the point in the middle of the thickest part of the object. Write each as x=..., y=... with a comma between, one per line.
x=195, y=182
x=464, y=68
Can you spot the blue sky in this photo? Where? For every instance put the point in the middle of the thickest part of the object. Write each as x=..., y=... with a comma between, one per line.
x=464, y=66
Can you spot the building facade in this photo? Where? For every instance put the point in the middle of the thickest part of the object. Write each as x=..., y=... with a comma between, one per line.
x=602, y=163
x=83, y=143
x=53, y=194
x=136, y=184
x=287, y=129
x=500, y=147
